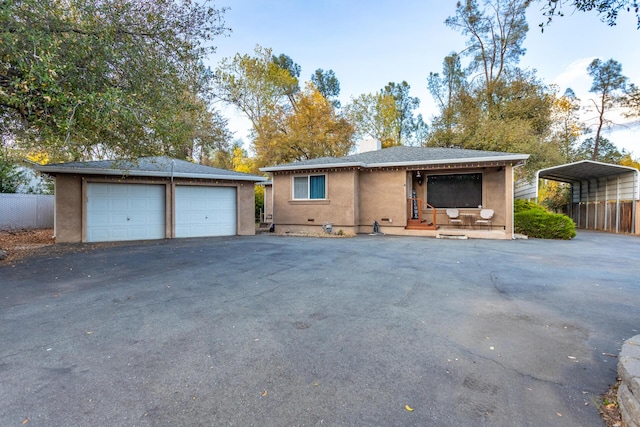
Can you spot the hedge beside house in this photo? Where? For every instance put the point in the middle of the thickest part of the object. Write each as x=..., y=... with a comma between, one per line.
x=535, y=221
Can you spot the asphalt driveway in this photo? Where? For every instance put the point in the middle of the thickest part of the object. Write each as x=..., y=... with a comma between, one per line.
x=273, y=331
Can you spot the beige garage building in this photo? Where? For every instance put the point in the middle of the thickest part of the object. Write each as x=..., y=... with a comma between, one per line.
x=150, y=198
x=405, y=190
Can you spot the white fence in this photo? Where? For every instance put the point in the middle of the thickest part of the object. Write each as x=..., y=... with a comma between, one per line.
x=26, y=211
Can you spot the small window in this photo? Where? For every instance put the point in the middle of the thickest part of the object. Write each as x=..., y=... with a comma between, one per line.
x=309, y=187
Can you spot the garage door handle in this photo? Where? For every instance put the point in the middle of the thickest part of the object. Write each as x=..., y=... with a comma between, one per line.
x=128, y=218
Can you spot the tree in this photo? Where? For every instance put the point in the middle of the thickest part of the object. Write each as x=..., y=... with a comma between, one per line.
x=313, y=130
x=607, y=153
x=375, y=115
x=388, y=116
x=256, y=85
x=554, y=195
x=241, y=161
x=495, y=36
x=286, y=63
x=567, y=126
x=82, y=78
x=446, y=91
x=607, y=9
x=519, y=120
x=627, y=160
x=405, y=123
x=11, y=178
x=327, y=84
x=288, y=124
x=608, y=83
x=631, y=100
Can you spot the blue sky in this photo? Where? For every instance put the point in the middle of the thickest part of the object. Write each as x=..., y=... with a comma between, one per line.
x=371, y=43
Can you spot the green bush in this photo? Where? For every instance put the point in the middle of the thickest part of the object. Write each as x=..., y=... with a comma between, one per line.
x=535, y=221
x=524, y=205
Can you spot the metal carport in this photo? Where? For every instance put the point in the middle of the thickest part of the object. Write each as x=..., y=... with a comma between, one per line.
x=603, y=196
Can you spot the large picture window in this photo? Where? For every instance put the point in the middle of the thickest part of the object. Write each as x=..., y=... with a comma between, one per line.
x=455, y=191
x=309, y=187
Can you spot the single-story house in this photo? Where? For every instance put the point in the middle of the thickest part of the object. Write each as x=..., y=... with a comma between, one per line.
x=405, y=190
x=149, y=198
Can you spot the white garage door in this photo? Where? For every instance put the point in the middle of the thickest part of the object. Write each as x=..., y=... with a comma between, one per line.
x=205, y=211
x=125, y=212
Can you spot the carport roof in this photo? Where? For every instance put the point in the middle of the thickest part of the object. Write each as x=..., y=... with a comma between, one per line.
x=583, y=170
x=147, y=166
x=404, y=156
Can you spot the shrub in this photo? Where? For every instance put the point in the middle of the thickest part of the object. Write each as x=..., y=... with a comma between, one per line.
x=535, y=221
x=524, y=205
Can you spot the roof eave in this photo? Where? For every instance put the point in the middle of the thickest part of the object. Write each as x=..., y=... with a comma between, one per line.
x=508, y=158
x=157, y=174
x=314, y=166
x=520, y=157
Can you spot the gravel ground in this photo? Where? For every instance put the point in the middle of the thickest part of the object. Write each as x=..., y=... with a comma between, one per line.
x=19, y=244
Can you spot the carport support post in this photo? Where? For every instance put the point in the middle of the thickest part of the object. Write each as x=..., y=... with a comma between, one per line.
x=587, y=208
x=617, y=203
x=606, y=202
x=595, y=205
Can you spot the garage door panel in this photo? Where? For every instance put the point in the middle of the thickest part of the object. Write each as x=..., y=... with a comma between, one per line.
x=125, y=212
x=205, y=211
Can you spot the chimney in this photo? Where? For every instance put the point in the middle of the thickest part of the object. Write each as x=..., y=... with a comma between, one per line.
x=369, y=144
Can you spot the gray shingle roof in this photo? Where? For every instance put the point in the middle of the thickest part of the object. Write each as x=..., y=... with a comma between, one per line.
x=148, y=166
x=403, y=156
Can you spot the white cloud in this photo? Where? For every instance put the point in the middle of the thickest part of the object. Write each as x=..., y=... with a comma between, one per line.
x=575, y=76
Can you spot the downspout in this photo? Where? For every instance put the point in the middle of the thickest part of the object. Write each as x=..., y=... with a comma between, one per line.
x=537, y=183
x=55, y=207
x=513, y=189
x=273, y=206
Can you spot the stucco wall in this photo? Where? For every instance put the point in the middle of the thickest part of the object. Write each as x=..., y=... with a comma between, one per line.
x=338, y=208
x=68, y=218
x=246, y=209
x=383, y=197
x=494, y=194
x=71, y=207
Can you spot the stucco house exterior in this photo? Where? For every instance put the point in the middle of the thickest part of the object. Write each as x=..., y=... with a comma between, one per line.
x=149, y=198
x=406, y=190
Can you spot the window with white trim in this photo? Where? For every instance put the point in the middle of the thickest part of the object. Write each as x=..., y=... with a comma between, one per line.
x=309, y=187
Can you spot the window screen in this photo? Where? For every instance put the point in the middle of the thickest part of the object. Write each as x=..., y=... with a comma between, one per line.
x=455, y=191
x=301, y=187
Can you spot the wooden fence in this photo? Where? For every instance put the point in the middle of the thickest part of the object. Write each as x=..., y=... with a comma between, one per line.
x=615, y=217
